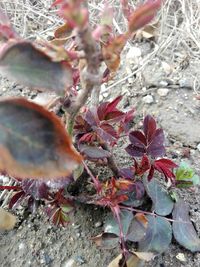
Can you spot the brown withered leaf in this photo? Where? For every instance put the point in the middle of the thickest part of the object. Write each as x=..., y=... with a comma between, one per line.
x=142, y=219
x=63, y=31
x=133, y=261
x=34, y=142
x=7, y=220
x=25, y=63
x=145, y=256
x=106, y=240
x=111, y=52
x=148, y=32
x=143, y=15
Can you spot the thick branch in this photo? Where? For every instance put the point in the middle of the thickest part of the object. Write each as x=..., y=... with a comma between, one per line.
x=89, y=70
x=111, y=162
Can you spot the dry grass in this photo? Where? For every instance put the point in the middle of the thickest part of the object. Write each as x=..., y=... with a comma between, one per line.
x=179, y=34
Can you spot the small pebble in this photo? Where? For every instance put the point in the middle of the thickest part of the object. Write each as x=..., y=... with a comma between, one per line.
x=98, y=224
x=21, y=246
x=163, y=83
x=184, y=82
x=148, y=99
x=133, y=53
x=70, y=263
x=181, y=257
x=198, y=147
x=80, y=260
x=163, y=91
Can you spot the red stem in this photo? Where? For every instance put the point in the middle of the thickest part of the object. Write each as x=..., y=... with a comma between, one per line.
x=148, y=213
x=116, y=212
x=8, y=187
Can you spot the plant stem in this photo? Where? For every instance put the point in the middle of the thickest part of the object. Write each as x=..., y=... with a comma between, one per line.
x=116, y=212
x=89, y=72
x=148, y=213
x=9, y=187
x=94, y=179
x=111, y=162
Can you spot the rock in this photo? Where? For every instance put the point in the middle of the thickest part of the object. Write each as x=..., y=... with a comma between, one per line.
x=21, y=246
x=134, y=54
x=47, y=259
x=181, y=257
x=80, y=260
x=186, y=83
x=163, y=92
x=163, y=83
x=198, y=147
x=98, y=224
x=70, y=263
x=166, y=67
x=148, y=99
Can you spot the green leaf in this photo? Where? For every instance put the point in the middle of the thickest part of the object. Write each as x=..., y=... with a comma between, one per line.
x=162, y=202
x=34, y=142
x=183, y=229
x=136, y=230
x=184, y=172
x=158, y=235
x=185, y=176
x=132, y=200
x=27, y=64
x=173, y=196
x=111, y=225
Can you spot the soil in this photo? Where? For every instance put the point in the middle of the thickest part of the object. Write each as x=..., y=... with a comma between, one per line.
x=36, y=242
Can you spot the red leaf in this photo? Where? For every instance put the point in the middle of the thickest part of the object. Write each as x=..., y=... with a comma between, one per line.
x=6, y=29
x=126, y=8
x=165, y=167
x=25, y=63
x=112, y=105
x=16, y=199
x=151, y=173
x=144, y=165
x=109, y=129
x=34, y=142
x=143, y=15
x=114, y=116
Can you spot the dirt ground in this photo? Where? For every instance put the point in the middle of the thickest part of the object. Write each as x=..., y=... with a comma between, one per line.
x=158, y=76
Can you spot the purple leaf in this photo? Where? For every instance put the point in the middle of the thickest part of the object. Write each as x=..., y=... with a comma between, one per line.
x=149, y=126
x=35, y=188
x=156, y=147
x=127, y=173
x=137, y=138
x=60, y=183
x=93, y=152
x=105, y=136
x=135, y=151
x=91, y=117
